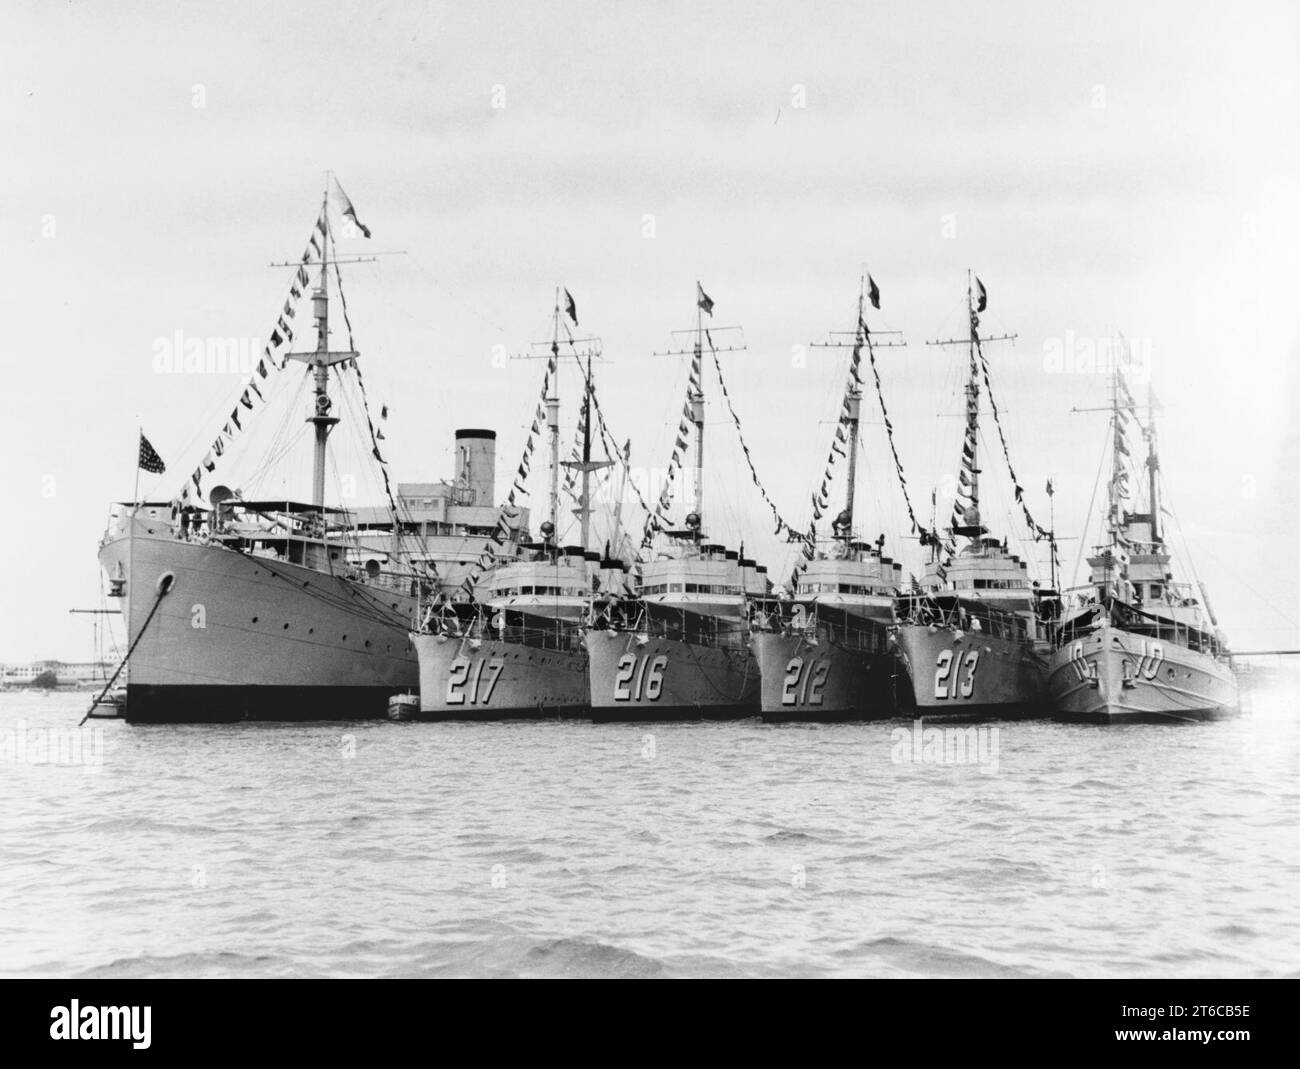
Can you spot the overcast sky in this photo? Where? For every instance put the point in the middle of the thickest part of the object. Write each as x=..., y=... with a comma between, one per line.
x=1102, y=167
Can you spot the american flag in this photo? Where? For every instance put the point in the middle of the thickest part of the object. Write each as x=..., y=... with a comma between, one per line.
x=149, y=458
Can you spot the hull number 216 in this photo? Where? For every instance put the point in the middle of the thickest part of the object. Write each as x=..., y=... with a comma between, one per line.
x=639, y=678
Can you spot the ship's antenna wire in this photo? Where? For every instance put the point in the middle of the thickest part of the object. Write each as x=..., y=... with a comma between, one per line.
x=1083, y=542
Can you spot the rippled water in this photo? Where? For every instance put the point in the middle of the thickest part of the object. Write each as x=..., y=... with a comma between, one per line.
x=376, y=849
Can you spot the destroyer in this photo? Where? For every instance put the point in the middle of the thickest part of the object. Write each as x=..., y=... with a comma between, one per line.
x=827, y=655
x=681, y=649
x=973, y=641
x=519, y=651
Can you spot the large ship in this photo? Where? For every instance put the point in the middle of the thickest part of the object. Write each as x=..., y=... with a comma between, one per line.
x=827, y=654
x=1138, y=645
x=973, y=640
x=275, y=609
x=680, y=648
x=517, y=651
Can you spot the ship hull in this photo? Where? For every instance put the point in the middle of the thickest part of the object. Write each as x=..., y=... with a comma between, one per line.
x=487, y=679
x=825, y=682
x=666, y=679
x=947, y=673
x=239, y=637
x=1114, y=676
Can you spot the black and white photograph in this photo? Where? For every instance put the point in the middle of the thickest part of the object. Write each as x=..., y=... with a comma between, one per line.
x=651, y=491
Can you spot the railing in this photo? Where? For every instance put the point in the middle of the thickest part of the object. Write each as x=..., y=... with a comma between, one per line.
x=475, y=622
x=1145, y=626
x=671, y=623
x=970, y=616
x=835, y=627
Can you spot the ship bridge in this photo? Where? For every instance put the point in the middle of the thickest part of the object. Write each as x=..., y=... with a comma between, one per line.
x=705, y=578
x=986, y=570
x=555, y=581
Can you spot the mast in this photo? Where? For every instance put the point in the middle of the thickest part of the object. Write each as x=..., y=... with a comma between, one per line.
x=586, y=461
x=855, y=408
x=696, y=398
x=586, y=465
x=1153, y=469
x=842, y=526
x=320, y=360
x=693, y=412
x=966, y=522
x=553, y=418
x=1114, y=502
x=1051, y=545
x=972, y=517
x=323, y=421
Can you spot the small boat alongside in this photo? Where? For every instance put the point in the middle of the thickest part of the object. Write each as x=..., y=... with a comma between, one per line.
x=109, y=706
x=405, y=706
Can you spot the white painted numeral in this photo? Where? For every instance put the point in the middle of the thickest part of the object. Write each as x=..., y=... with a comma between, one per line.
x=639, y=677
x=804, y=682
x=943, y=669
x=967, y=687
x=466, y=680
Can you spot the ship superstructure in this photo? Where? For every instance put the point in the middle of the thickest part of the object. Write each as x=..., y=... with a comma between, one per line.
x=1138, y=644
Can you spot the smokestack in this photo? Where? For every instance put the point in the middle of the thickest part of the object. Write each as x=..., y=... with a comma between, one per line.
x=476, y=465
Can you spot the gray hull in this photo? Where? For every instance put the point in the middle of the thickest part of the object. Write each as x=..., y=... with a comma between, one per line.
x=488, y=679
x=245, y=638
x=968, y=674
x=667, y=679
x=823, y=682
x=1113, y=676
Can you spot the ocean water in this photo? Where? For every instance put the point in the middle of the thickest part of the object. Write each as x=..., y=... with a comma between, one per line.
x=380, y=849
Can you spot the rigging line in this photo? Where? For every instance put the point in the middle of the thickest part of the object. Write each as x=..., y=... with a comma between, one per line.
x=259, y=476
x=281, y=442
x=611, y=446
x=1083, y=542
x=393, y=511
x=1217, y=560
x=164, y=587
x=889, y=432
x=360, y=601
x=250, y=381
x=781, y=523
x=487, y=554
x=1037, y=530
